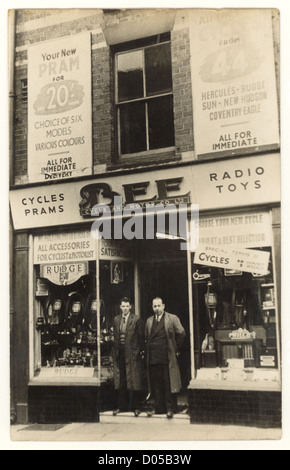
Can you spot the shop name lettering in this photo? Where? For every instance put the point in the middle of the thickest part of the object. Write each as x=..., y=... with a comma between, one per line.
x=175, y=207
x=91, y=204
x=237, y=180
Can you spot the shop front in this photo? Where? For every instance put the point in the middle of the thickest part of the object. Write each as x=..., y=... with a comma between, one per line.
x=237, y=380
x=225, y=290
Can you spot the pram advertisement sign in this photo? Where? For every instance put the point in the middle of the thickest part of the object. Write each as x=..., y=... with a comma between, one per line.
x=59, y=109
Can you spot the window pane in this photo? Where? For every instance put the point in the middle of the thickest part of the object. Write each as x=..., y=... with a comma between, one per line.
x=161, y=127
x=158, y=69
x=133, y=128
x=130, y=76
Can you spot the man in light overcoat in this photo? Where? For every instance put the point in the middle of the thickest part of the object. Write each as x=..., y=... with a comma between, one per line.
x=164, y=336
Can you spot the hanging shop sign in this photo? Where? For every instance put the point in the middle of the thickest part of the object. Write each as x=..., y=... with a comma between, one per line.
x=246, y=260
x=234, y=81
x=230, y=184
x=59, y=109
x=248, y=230
x=58, y=249
x=64, y=274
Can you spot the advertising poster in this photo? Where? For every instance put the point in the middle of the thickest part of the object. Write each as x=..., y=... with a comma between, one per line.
x=234, y=82
x=247, y=230
x=70, y=247
x=249, y=261
x=59, y=110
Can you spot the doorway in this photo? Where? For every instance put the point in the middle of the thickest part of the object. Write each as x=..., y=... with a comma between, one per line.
x=163, y=273
x=158, y=270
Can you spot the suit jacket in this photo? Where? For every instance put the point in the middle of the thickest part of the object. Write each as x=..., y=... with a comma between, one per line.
x=175, y=335
x=134, y=344
x=158, y=343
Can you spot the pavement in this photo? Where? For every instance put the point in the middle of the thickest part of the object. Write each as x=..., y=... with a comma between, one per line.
x=157, y=430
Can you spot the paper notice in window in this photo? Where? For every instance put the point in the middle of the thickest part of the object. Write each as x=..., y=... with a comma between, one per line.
x=246, y=260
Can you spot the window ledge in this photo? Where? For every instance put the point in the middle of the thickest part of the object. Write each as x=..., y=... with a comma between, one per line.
x=145, y=160
x=234, y=385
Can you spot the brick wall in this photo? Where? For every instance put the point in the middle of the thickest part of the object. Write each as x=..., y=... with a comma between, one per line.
x=235, y=407
x=103, y=106
x=20, y=126
x=63, y=404
x=28, y=15
x=182, y=95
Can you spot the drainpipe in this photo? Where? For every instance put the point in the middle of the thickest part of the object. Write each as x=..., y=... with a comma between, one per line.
x=11, y=66
x=11, y=72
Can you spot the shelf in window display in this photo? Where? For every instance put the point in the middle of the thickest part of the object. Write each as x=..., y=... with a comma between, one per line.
x=241, y=379
x=66, y=376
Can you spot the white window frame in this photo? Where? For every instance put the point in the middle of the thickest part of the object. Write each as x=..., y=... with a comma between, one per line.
x=145, y=99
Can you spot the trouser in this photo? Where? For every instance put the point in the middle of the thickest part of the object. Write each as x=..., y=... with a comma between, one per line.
x=160, y=388
x=127, y=399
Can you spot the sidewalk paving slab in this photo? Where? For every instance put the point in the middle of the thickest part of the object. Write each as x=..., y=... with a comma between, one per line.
x=126, y=428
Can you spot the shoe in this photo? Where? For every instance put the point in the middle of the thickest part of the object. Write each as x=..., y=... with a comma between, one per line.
x=169, y=415
x=150, y=413
x=115, y=412
x=137, y=413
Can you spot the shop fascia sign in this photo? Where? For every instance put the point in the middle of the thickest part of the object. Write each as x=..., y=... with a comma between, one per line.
x=247, y=181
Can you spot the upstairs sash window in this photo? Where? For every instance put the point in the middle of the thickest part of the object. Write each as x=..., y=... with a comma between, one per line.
x=144, y=98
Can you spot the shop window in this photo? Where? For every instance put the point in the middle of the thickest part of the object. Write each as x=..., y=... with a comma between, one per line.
x=236, y=320
x=144, y=95
x=67, y=319
x=66, y=314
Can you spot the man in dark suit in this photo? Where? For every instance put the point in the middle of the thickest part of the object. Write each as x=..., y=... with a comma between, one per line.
x=128, y=358
x=164, y=336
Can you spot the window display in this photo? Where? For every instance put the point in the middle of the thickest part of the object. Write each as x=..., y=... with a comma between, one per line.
x=236, y=324
x=67, y=321
x=68, y=331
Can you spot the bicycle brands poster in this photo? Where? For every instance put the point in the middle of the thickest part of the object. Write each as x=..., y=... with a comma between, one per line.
x=234, y=82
